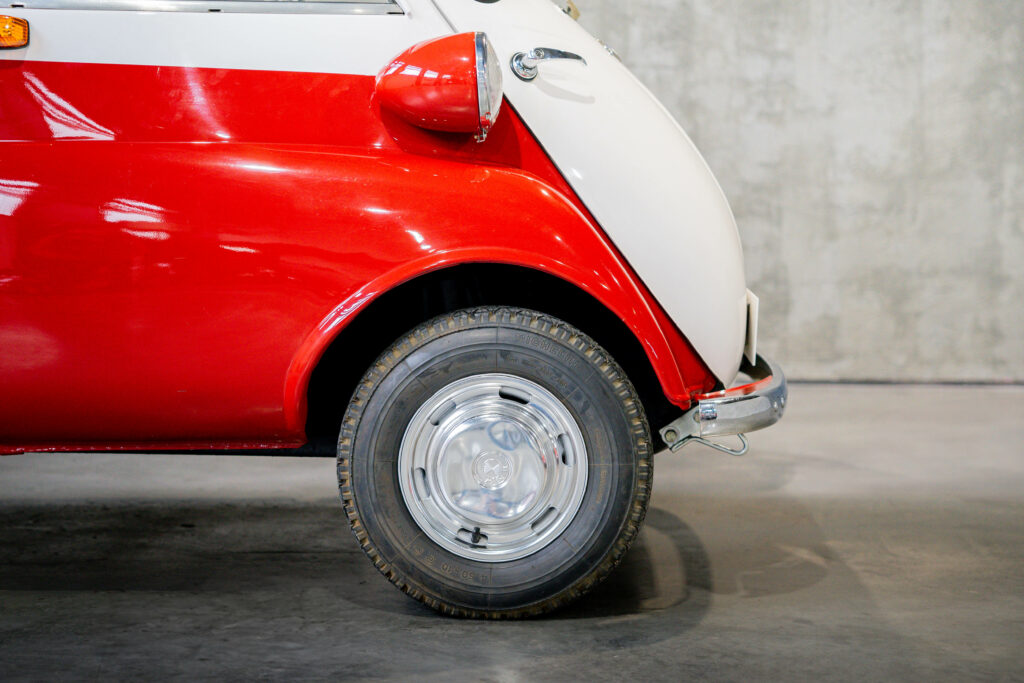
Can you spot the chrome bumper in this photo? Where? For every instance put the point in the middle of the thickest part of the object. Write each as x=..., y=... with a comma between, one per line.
x=733, y=411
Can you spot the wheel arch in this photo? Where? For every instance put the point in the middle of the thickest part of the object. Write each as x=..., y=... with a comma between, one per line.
x=359, y=336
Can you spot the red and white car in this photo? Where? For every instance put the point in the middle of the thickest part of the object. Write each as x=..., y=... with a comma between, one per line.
x=477, y=270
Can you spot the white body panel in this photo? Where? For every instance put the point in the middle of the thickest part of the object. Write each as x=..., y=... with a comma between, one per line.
x=634, y=168
x=319, y=43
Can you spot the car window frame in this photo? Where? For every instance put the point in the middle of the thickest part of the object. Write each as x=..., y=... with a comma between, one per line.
x=222, y=6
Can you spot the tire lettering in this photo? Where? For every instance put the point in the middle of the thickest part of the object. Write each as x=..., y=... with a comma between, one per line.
x=602, y=480
x=551, y=349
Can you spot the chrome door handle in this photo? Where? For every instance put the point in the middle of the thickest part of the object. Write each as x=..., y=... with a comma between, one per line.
x=525, y=64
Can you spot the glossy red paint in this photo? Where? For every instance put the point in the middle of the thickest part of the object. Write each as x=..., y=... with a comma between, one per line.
x=433, y=85
x=159, y=291
x=742, y=390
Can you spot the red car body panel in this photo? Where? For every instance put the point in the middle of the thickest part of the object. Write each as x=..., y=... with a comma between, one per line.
x=178, y=246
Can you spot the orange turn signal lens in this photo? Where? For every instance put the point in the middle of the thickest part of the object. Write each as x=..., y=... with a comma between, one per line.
x=13, y=32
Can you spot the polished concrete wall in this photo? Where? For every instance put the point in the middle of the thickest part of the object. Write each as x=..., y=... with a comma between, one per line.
x=873, y=152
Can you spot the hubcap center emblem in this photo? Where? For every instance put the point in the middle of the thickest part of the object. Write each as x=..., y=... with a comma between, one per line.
x=492, y=470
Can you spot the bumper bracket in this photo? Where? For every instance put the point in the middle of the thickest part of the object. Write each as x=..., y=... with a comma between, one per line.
x=732, y=412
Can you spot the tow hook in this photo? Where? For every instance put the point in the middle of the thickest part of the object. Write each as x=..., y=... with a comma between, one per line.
x=675, y=441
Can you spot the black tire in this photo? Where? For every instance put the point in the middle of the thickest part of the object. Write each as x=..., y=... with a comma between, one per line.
x=551, y=354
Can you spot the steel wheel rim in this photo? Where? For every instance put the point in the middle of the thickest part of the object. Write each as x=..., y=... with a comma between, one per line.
x=493, y=467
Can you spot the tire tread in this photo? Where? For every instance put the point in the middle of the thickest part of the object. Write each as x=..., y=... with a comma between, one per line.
x=559, y=331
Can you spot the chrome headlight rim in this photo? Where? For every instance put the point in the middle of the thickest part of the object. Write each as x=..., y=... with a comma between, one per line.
x=488, y=84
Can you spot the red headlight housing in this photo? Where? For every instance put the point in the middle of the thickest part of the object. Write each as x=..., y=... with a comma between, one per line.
x=450, y=84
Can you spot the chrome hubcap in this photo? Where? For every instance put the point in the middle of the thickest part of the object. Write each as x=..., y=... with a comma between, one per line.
x=493, y=467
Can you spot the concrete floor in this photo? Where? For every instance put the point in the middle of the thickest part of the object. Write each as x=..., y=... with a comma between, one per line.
x=877, y=533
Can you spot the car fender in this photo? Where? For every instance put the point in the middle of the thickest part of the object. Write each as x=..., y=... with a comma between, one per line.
x=559, y=240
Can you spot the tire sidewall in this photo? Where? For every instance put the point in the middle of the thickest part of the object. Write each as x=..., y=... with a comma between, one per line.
x=413, y=371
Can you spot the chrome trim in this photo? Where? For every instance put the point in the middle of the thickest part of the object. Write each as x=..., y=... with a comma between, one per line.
x=610, y=50
x=482, y=95
x=732, y=415
x=525, y=64
x=481, y=83
x=486, y=86
x=224, y=6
